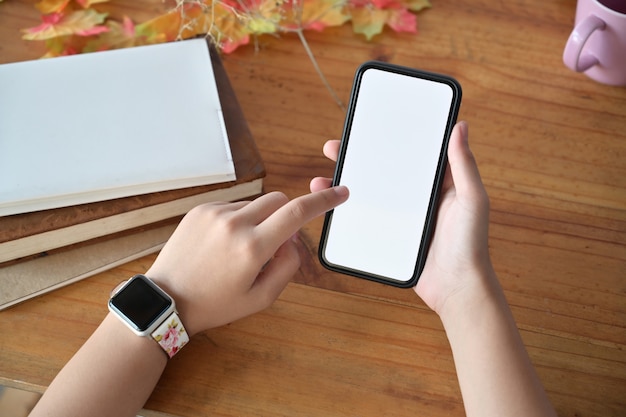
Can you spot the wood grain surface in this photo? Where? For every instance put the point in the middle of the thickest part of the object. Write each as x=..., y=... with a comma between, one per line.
x=551, y=147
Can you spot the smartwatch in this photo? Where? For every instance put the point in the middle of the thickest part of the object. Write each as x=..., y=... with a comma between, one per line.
x=148, y=311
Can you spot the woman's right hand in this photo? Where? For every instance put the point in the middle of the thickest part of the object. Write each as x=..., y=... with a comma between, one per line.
x=458, y=258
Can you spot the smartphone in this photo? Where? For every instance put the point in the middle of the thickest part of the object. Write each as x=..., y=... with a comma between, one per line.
x=393, y=159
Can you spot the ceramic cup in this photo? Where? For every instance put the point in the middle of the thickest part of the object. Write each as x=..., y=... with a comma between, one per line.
x=597, y=45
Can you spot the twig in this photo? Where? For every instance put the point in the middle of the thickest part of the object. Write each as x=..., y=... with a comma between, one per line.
x=330, y=89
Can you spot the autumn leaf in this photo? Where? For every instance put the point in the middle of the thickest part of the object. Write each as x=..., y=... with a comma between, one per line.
x=51, y=6
x=118, y=35
x=324, y=13
x=254, y=16
x=368, y=22
x=85, y=4
x=231, y=23
x=81, y=22
x=66, y=45
x=417, y=5
x=128, y=27
x=162, y=28
x=73, y=26
x=228, y=27
x=314, y=14
x=222, y=21
x=370, y=16
x=57, y=6
x=402, y=20
x=266, y=15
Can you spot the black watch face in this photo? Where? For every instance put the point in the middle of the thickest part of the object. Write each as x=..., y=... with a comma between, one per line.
x=141, y=302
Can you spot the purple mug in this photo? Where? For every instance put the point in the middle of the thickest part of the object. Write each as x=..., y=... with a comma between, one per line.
x=597, y=45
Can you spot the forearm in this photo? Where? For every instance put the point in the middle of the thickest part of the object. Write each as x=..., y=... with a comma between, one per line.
x=113, y=373
x=493, y=367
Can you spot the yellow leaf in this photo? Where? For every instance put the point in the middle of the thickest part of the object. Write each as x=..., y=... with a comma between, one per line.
x=368, y=22
x=166, y=27
x=323, y=13
x=263, y=16
x=88, y=3
x=229, y=28
x=118, y=36
x=51, y=6
x=80, y=22
x=260, y=25
x=417, y=5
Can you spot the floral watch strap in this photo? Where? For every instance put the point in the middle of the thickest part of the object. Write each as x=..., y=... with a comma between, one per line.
x=171, y=335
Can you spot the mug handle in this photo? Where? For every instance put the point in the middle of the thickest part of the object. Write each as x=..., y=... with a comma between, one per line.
x=572, y=55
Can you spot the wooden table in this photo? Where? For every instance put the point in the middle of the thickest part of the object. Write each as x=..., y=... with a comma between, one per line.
x=551, y=146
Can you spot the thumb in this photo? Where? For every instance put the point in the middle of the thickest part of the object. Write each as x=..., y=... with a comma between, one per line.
x=463, y=167
x=276, y=275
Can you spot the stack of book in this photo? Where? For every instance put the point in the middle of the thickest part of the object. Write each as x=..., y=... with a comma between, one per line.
x=102, y=154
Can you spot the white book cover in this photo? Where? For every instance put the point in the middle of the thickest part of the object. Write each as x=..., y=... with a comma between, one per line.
x=111, y=124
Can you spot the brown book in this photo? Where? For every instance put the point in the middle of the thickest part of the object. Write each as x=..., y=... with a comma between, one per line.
x=21, y=281
x=28, y=234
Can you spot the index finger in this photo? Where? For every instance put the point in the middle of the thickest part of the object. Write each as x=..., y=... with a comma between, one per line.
x=288, y=219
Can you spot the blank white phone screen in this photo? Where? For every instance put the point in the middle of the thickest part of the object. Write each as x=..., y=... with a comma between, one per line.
x=390, y=165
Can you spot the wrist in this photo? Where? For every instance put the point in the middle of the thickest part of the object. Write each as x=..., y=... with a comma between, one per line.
x=118, y=335
x=481, y=291
x=182, y=300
